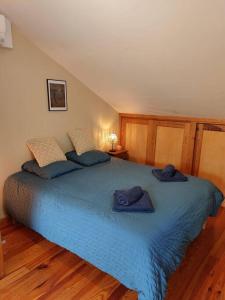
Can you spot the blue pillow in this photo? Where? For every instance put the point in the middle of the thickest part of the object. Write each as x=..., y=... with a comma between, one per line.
x=88, y=158
x=52, y=170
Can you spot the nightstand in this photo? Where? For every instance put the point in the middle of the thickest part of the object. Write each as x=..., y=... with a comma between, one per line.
x=123, y=154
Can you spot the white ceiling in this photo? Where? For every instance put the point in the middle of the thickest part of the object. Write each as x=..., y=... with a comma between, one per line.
x=141, y=56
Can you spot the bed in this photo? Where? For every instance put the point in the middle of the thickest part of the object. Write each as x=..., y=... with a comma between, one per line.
x=141, y=250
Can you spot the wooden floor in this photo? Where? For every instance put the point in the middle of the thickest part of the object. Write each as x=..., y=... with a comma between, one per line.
x=38, y=269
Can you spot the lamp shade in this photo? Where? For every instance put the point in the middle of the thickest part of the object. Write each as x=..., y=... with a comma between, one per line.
x=113, y=137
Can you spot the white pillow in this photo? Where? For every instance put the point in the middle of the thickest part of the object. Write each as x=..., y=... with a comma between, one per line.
x=82, y=140
x=45, y=150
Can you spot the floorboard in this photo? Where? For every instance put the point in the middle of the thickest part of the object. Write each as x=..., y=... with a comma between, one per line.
x=38, y=269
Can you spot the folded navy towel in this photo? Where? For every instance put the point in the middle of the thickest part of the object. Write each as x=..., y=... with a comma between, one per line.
x=127, y=197
x=169, y=170
x=178, y=176
x=144, y=204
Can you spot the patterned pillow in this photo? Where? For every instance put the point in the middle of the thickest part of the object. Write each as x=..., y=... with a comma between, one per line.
x=82, y=140
x=45, y=150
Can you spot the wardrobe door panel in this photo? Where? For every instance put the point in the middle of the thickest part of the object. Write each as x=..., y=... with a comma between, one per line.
x=174, y=144
x=169, y=146
x=159, y=142
x=210, y=154
x=136, y=140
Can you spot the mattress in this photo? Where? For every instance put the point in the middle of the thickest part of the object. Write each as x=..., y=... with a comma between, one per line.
x=140, y=250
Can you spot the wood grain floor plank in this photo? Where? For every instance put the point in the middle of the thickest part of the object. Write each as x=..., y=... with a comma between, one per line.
x=39, y=269
x=65, y=283
x=119, y=293
x=12, y=278
x=82, y=279
x=129, y=295
x=19, y=242
x=39, y=280
x=100, y=288
x=22, y=258
x=197, y=255
x=55, y=271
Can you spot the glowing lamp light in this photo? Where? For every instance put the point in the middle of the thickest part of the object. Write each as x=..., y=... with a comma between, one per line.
x=113, y=138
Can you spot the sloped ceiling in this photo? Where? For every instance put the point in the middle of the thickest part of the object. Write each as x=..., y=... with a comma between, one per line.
x=141, y=56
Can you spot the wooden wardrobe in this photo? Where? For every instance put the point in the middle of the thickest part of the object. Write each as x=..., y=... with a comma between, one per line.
x=195, y=146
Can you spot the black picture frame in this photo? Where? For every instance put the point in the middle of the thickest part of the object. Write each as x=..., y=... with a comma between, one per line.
x=57, y=95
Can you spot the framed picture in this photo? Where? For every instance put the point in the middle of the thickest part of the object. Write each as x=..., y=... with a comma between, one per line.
x=57, y=95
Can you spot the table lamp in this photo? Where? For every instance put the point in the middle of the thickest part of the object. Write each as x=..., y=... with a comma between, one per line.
x=113, y=139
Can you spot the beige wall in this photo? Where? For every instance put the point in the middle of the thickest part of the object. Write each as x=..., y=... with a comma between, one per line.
x=148, y=56
x=24, y=109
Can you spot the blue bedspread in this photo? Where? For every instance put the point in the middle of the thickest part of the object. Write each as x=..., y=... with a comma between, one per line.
x=139, y=249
